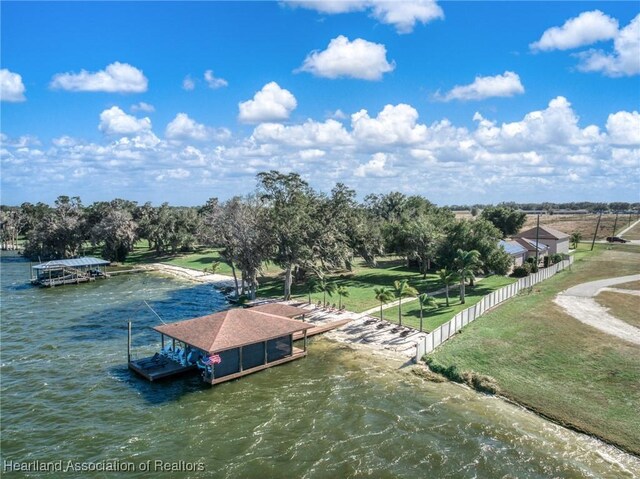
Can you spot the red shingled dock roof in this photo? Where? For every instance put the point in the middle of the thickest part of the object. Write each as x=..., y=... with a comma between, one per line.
x=280, y=309
x=231, y=329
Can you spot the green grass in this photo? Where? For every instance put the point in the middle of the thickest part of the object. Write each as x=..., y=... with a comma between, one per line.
x=625, y=307
x=553, y=364
x=633, y=233
x=360, y=283
x=435, y=317
x=200, y=259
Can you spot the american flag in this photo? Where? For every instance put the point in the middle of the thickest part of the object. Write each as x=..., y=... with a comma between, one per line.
x=215, y=359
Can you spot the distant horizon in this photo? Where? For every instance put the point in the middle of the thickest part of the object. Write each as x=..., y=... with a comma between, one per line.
x=461, y=103
x=634, y=205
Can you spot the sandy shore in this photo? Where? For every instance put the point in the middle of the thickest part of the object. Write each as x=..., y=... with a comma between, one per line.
x=218, y=280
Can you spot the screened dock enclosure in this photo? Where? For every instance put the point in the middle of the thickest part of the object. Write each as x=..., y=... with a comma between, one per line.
x=69, y=271
x=225, y=345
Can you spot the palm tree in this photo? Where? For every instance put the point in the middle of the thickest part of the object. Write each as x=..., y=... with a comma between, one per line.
x=426, y=301
x=313, y=286
x=576, y=237
x=447, y=278
x=384, y=296
x=326, y=288
x=466, y=263
x=343, y=292
x=401, y=289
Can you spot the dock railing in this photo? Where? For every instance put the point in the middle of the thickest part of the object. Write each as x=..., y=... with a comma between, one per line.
x=439, y=335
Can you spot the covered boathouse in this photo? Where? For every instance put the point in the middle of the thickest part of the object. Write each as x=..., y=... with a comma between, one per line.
x=69, y=271
x=226, y=345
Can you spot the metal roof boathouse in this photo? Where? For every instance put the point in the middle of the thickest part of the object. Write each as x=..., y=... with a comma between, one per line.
x=226, y=345
x=69, y=271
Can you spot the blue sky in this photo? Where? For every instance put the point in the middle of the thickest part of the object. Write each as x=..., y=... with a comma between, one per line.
x=461, y=102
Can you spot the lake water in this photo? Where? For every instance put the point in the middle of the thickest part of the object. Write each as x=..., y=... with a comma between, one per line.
x=67, y=395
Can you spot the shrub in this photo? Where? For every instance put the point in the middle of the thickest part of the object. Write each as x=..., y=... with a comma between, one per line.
x=521, y=271
x=556, y=258
x=546, y=261
x=479, y=382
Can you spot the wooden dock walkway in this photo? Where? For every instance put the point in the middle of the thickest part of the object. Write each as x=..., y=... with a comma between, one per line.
x=158, y=367
x=323, y=328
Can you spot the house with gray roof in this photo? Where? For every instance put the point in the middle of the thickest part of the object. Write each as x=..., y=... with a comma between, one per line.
x=517, y=252
x=555, y=240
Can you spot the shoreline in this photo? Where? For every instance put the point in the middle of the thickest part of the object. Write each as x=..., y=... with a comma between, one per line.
x=362, y=331
x=217, y=280
x=374, y=336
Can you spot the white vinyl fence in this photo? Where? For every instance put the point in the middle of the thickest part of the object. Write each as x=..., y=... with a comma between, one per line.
x=464, y=317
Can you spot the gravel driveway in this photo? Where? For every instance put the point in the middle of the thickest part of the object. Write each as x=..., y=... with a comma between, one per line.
x=578, y=302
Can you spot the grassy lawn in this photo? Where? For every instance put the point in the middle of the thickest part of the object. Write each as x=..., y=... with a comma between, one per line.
x=360, y=283
x=633, y=233
x=630, y=285
x=200, y=259
x=623, y=306
x=435, y=317
x=553, y=364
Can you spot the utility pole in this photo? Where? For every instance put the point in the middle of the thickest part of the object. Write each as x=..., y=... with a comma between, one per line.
x=537, y=237
x=593, y=242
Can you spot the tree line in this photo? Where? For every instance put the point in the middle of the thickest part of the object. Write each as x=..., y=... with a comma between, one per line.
x=551, y=208
x=285, y=221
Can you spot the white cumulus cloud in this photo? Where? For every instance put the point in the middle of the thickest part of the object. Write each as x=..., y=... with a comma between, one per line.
x=11, y=86
x=353, y=59
x=555, y=126
x=182, y=127
x=403, y=15
x=585, y=29
x=330, y=6
x=174, y=174
x=117, y=77
x=505, y=85
x=625, y=58
x=271, y=103
x=624, y=128
x=376, y=167
x=114, y=121
x=309, y=133
x=395, y=124
x=214, y=82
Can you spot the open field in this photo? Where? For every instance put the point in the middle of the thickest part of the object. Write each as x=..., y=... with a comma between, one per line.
x=631, y=285
x=584, y=224
x=623, y=306
x=553, y=364
x=633, y=233
x=435, y=317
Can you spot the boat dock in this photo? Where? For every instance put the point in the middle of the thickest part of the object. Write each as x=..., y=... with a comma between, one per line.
x=158, y=367
x=323, y=328
x=69, y=271
x=233, y=343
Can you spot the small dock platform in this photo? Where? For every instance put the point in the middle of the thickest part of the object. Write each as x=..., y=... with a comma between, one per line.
x=323, y=328
x=159, y=367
